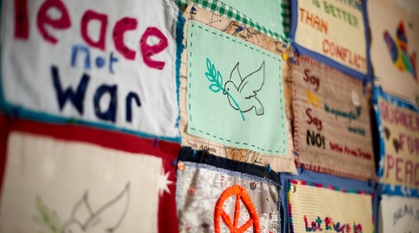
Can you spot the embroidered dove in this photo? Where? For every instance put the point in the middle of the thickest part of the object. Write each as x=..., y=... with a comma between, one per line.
x=244, y=91
x=398, y=51
x=104, y=220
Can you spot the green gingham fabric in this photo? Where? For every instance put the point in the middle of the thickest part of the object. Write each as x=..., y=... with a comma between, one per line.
x=225, y=10
x=182, y=4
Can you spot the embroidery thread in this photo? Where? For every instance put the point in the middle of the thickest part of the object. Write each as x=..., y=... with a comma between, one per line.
x=83, y=218
x=216, y=78
x=245, y=90
x=398, y=51
x=241, y=196
x=47, y=218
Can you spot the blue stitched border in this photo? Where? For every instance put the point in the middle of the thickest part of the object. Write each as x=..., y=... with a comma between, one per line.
x=234, y=174
x=310, y=176
x=180, y=25
x=22, y=112
x=329, y=61
x=388, y=188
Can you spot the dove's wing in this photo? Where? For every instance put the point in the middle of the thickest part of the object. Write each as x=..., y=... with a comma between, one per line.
x=82, y=211
x=253, y=83
x=235, y=75
x=110, y=216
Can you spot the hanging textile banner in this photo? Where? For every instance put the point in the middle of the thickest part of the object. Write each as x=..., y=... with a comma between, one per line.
x=333, y=32
x=244, y=90
x=93, y=62
x=395, y=47
x=332, y=121
x=324, y=203
x=398, y=122
x=214, y=199
x=398, y=214
x=284, y=162
x=78, y=179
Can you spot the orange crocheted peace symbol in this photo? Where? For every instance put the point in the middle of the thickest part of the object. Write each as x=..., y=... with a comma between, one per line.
x=241, y=196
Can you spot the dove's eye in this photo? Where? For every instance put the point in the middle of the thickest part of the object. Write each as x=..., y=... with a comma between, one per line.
x=228, y=89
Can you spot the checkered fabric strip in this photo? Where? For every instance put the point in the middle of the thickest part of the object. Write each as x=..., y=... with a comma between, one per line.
x=286, y=16
x=231, y=13
x=182, y=4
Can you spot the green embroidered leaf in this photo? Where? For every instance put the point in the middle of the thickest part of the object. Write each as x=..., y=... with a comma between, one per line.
x=214, y=77
x=215, y=88
x=46, y=218
x=219, y=78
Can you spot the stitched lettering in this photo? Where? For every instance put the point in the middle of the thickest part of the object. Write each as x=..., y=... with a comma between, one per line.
x=105, y=111
x=76, y=98
x=315, y=139
x=313, y=21
x=86, y=19
x=404, y=170
x=313, y=120
x=21, y=19
x=43, y=19
x=311, y=79
x=329, y=224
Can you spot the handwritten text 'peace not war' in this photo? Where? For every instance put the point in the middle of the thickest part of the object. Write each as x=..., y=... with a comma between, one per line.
x=64, y=22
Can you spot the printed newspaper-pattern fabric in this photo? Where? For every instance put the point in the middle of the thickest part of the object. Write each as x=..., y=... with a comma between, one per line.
x=94, y=62
x=332, y=121
x=398, y=214
x=285, y=162
x=316, y=207
x=398, y=123
x=212, y=199
x=74, y=179
x=395, y=48
x=254, y=14
x=334, y=32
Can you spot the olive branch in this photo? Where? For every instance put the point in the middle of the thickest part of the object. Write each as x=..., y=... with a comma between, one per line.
x=47, y=218
x=215, y=77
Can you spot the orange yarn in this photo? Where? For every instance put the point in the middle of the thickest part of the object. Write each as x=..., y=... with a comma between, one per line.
x=241, y=195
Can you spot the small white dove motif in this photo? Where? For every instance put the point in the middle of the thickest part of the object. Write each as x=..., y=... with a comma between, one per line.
x=244, y=91
x=104, y=220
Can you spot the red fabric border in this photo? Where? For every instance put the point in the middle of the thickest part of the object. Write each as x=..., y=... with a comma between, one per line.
x=167, y=151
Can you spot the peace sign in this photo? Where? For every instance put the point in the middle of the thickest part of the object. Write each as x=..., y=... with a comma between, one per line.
x=241, y=195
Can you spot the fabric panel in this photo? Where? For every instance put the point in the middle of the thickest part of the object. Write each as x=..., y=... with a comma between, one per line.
x=286, y=161
x=52, y=178
x=70, y=71
x=317, y=207
x=205, y=192
x=399, y=214
x=332, y=121
x=394, y=33
x=236, y=90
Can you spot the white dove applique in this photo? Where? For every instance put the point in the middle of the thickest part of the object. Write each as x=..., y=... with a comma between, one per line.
x=105, y=220
x=244, y=91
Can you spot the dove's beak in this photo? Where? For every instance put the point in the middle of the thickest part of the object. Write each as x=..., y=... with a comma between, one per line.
x=225, y=92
